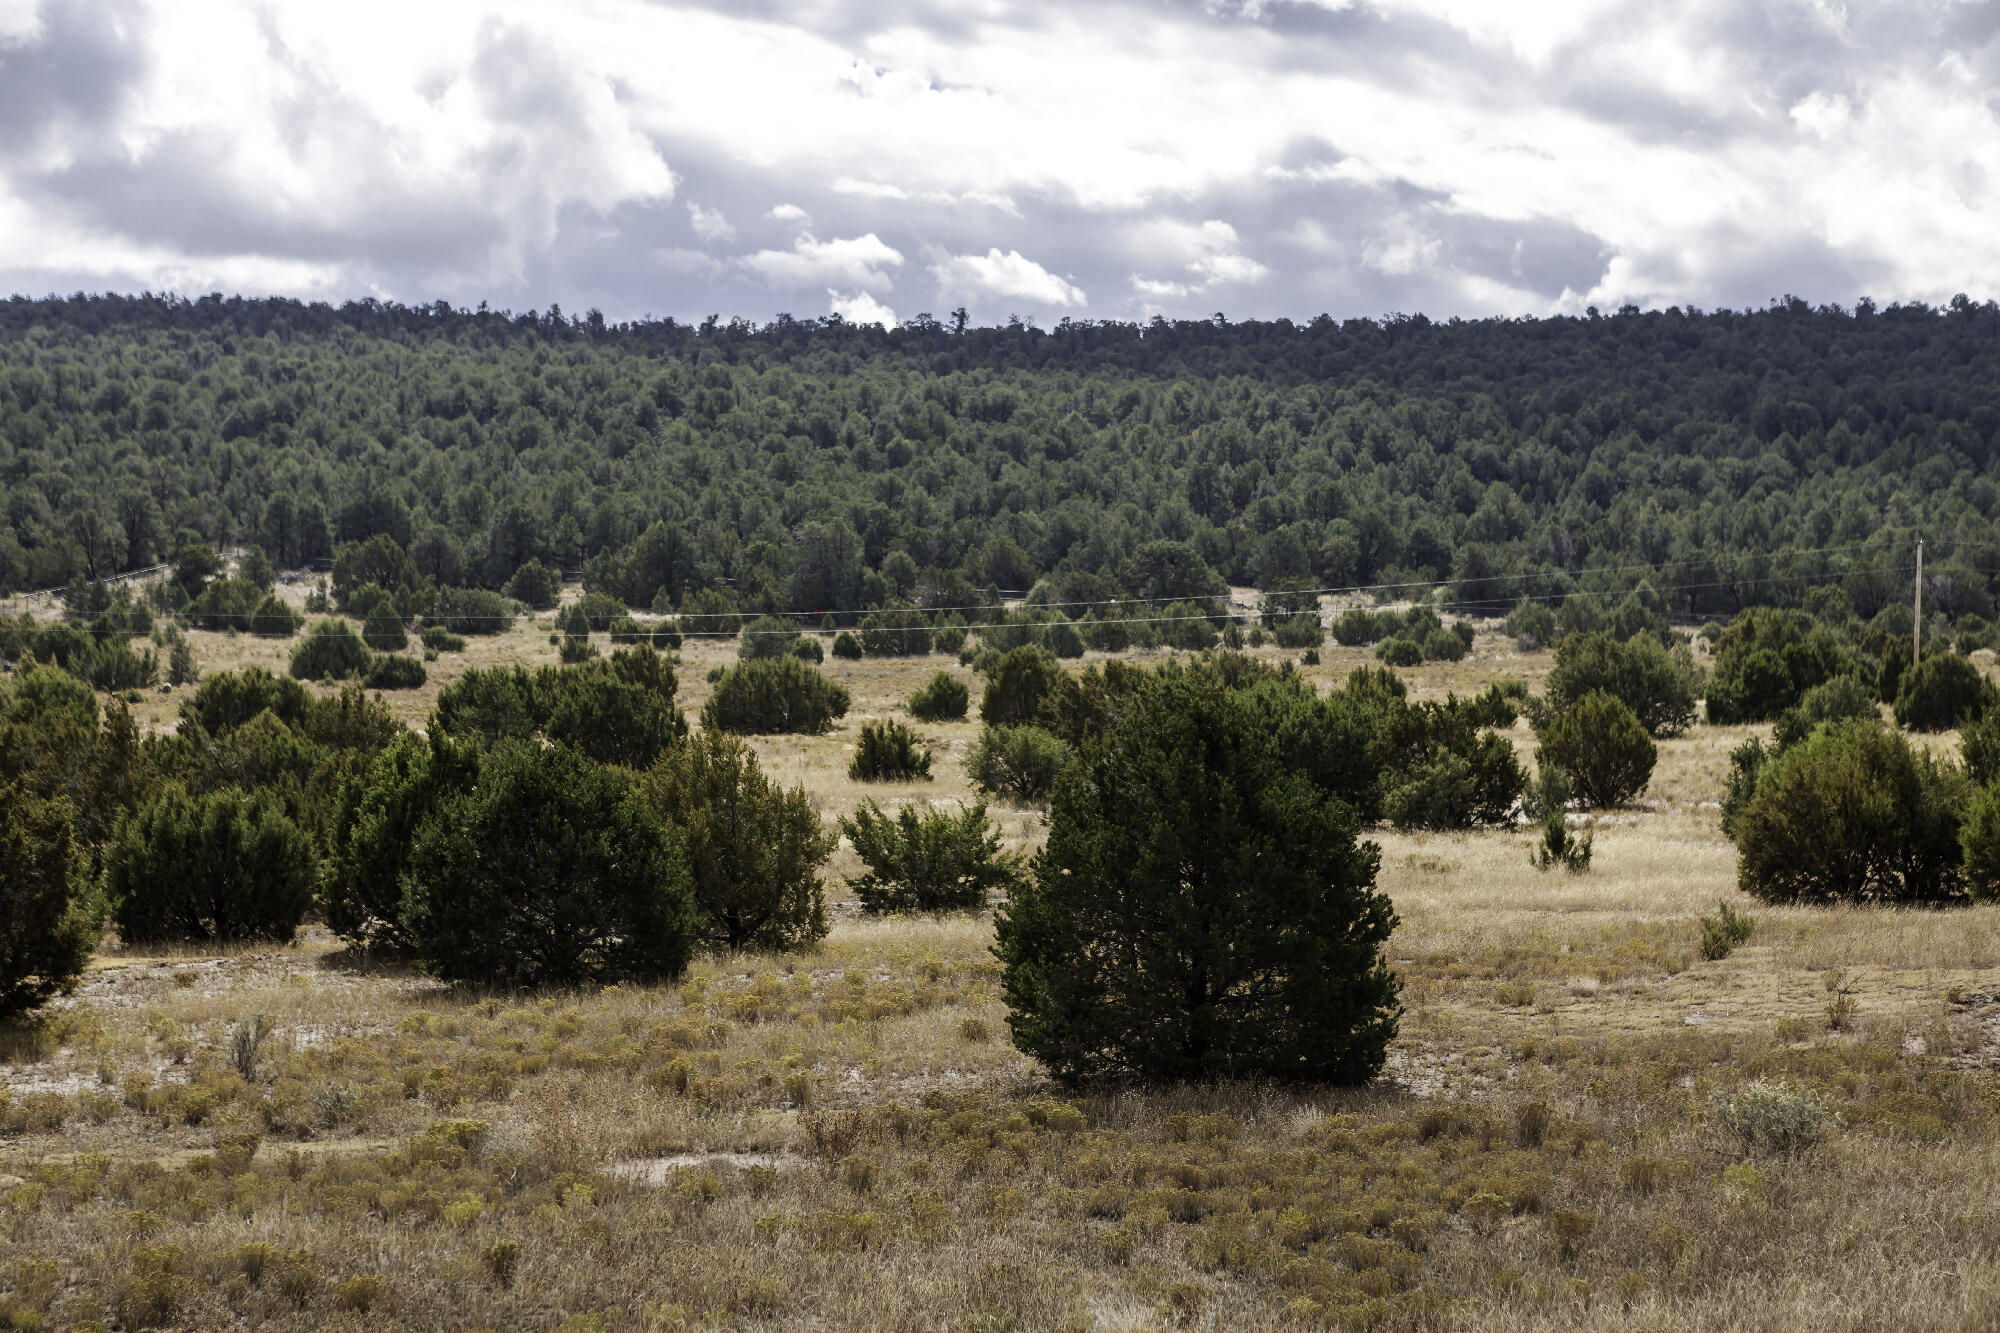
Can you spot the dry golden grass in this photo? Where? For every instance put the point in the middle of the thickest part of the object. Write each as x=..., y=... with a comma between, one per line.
x=846, y=1138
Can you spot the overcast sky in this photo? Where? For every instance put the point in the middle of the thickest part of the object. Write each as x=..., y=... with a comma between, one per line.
x=1088, y=158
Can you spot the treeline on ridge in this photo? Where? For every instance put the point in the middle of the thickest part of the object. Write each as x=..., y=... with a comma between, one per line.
x=1720, y=459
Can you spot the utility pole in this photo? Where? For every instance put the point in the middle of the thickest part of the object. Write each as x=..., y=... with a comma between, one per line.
x=1917, y=635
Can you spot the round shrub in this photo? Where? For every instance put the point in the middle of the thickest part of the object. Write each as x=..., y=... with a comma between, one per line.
x=807, y=650
x=626, y=630
x=599, y=610
x=1657, y=684
x=888, y=752
x=1400, y=652
x=470, y=611
x=1017, y=684
x=535, y=586
x=767, y=636
x=1599, y=742
x=548, y=871
x=1300, y=631
x=48, y=915
x=936, y=861
x=754, y=848
x=774, y=694
x=945, y=699
x=1201, y=910
x=1018, y=763
x=273, y=619
x=228, y=865
x=330, y=651
x=846, y=647
x=1942, y=692
x=895, y=631
x=616, y=710
x=391, y=672
x=1853, y=813
x=1444, y=644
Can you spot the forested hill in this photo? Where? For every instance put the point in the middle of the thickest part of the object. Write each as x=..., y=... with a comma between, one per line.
x=1723, y=459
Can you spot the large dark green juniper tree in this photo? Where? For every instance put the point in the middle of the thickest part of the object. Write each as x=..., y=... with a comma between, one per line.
x=1200, y=910
x=550, y=870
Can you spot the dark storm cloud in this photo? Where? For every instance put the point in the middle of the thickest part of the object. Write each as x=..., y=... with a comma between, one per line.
x=67, y=81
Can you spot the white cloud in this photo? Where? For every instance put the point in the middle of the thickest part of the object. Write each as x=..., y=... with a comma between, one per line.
x=858, y=261
x=507, y=149
x=709, y=223
x=869, y=189
x=860, y=308
x=1005, y=275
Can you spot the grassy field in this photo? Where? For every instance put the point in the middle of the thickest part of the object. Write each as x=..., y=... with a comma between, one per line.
x=846, y=1139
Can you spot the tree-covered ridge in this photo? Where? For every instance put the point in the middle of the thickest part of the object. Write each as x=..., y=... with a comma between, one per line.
x=1728, y=458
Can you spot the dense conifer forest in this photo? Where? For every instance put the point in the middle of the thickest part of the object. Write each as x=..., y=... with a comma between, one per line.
x=1723, y=459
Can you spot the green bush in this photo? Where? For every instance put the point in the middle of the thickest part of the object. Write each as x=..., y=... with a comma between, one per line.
x=772, y=695
x=945, y=699
x=667, y=635
x=627, y=631
x=1600, y=744
x=936, y=861
x=754, y=848
x=1560, y=847
x=470, y=611
x=710, y=611
x=392, y=672
x=1767, y=659
x=1839, y=699
x=224, y=865
x=225, y=604
x=1018, y=763
x=1943, y=691
x=49, y=916
x=1659, y=685
x=273, y=619
x=948, y=636
x=889, y=752
x=1533, y=626
x=549, y=870
x=1721, y=933
x=535, y=586
x=1017, y=684
x=1853, y=813
x=330, y=651
x=599, y=610
x=807, y=650
x=1979, y=842
x=1400, y=652
x=895, y=631
x=441, y=640
x=846, y=647
x=1201, y=910
x=1979, y=747
x=376, y=815
x=1300, y=631
x=1357, y=627
x=1445, y=644
x=383, y=629
x=616, y=710
x=767, y=636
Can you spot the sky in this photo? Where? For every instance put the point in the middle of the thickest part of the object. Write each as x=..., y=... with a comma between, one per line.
x=1090, y=159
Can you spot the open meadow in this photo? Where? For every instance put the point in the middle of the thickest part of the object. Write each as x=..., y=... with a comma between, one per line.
x=846, y=1139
